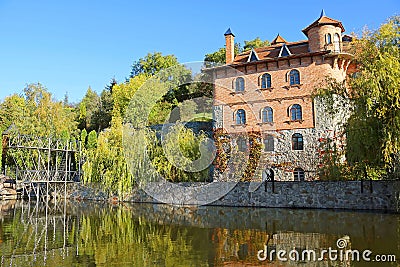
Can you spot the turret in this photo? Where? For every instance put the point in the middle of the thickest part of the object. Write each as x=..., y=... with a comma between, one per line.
x=324, y=34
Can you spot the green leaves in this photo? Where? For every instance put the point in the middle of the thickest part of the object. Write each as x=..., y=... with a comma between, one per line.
x=37, y=114
x=257, y=42
x=378, y=86
x=152, y=63
x=88, y=108
x=92, y=140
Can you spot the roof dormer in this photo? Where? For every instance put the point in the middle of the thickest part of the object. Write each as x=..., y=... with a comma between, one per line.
x=253, y=56
x=284, y=52
x=278, y=40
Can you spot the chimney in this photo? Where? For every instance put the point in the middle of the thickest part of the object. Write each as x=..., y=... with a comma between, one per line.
x=229, y=46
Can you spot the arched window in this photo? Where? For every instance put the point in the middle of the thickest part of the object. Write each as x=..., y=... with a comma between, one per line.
x=241, y=117
x=328, y=38
x=267, y=114
x=266, y=80
x=269, y=143
x=242, y=144
x=294, y=77
x=336, y=43
x=298, y=174
x=239, y=84
x=295, y=113
x=297, y=141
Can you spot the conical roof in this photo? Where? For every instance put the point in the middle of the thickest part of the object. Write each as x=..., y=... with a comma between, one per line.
x=229, y=32
x=323, y=20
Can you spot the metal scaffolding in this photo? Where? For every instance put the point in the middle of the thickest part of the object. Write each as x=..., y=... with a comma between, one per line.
x=42, y=167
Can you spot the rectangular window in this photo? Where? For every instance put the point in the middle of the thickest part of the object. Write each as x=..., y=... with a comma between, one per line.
x=269, y=143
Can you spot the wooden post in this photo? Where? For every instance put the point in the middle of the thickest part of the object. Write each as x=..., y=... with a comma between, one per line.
x=56, y=176
x=4, y=153
x=80, y=157
x=66, y=173
x=48, y=172
x=273, y=181
x=362, y=186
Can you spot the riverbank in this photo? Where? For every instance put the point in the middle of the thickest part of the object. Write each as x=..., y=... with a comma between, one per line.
x=348, y=195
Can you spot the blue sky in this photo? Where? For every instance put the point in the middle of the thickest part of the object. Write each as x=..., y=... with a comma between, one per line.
x=71, y=45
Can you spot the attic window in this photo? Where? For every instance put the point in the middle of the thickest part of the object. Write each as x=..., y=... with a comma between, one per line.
x=284, y=52
x=253, y=56
x=328, y=38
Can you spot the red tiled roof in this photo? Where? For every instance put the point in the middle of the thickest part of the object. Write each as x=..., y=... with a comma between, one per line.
x=272, y=51
x=323, y=20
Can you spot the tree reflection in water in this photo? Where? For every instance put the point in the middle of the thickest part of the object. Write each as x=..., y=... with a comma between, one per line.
x=100, y=234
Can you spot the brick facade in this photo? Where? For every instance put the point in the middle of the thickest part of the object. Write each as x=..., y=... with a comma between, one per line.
x=316, y=58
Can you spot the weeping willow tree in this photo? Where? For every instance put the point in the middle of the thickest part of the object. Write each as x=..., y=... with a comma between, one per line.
x=105, y=161
x=118, y=167
x=183, y=156
x=377, y=96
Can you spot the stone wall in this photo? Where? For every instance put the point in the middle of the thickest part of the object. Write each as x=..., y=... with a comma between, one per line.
x=384, y=195
x=352, y=195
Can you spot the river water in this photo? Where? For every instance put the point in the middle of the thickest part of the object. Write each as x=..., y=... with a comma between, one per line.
x=105, y=234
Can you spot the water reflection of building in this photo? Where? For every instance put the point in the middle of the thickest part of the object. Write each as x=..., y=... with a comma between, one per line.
x=240, y=247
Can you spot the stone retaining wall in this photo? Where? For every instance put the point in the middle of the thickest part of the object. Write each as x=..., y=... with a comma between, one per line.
x=352, y=195
x=384, y=195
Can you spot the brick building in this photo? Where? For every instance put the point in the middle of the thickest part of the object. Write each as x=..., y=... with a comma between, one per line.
x=269, y=90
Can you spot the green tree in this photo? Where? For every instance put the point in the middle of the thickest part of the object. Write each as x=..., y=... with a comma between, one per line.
x=66, y=100
x=92, y=140
x=36, y=114
x=41, y=115
x=160, y=113
x=376, y=86
x=152, y=63
x=181, y=147
x=123, y=93
x=12, y=110
x=84, y=135
x=168, y=70
x=103, y=114
x=88, y=108
x=257, y=42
